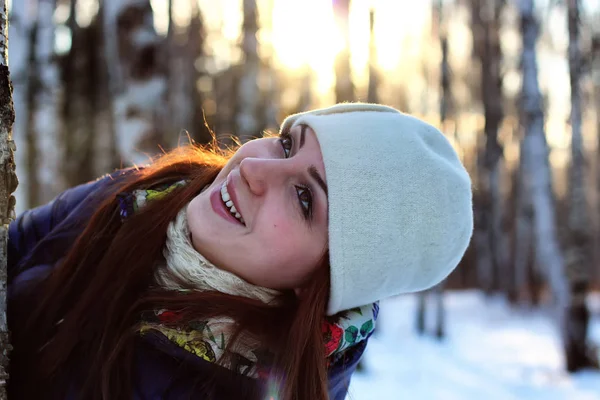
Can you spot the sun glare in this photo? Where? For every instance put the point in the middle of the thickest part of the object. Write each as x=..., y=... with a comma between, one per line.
x=305, y=35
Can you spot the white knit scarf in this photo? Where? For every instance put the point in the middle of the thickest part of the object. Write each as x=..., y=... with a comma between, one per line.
x=185, y=264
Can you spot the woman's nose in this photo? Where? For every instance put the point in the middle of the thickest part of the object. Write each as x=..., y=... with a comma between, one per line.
x=258, y=173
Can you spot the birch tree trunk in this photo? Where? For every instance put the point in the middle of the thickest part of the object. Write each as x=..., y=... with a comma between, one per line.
x=196, y=54
x=578, y=250
x=78, y=102
x=596, y=90
x=523, y=234
x=180, y=80
x=372, y=91
x=438, y=290
x=41, y=86
x=105, y=153
x=445, y=101
x=305, y=98
x=247, y=120
x=32, y=86
x=492, y=99
x=486, y=26
x=483, y=224
x=8, y=184
x=133, y=54
x=22, y=18
x=184, y=51
x=344, y=88
x=47, y=142
x=537, y=175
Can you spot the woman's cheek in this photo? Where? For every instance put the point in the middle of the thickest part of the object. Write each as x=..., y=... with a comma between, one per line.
x=281, y=225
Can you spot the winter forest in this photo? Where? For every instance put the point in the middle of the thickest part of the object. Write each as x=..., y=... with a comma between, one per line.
x=514, y=84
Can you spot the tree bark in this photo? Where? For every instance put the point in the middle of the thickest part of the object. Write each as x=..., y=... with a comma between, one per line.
x=578, y=247
x=247, y=120
x=31, y=90
x=47, y=142
x=133, y=54
x=372, y=91
x=523, y=235
x=344, y=88
x=8, y=184
x=21, y=20
x=78, y=102
x=486, y=21
x=596, y=88
x=106, y=155
x=537, y=175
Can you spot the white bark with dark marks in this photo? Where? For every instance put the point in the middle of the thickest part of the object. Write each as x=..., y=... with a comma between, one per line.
x=22, y=19
x=537, y=173
x=8, y=184
x=139, y=78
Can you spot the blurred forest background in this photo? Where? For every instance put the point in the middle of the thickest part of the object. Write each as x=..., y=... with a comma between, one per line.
x=515, y=86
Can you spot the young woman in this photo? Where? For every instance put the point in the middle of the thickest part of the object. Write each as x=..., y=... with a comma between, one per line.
x=252, y=275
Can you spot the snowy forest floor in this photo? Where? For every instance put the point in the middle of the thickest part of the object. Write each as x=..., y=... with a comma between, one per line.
x=490, y=352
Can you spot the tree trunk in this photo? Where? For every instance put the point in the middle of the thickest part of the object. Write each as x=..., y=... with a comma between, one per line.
x=421, y=306
x=196, y=54
x=482, y=233
x=21, y=20
x=179, y=99
x=47, y=142
x=537, y=174
x=247, y=120
x=106, y=155
x=372, y=91
x=523, y=235
x=8, y=184
x=305, y=98
x=484, y=261
x=78, y=103
x=438, y=290
x=344, y=88
x=32, y=87
x=139, y=76
x=596, y=86
x=486, y=21
x=578, y=254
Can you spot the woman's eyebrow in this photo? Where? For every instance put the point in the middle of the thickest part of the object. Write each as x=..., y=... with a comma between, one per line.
x=302, y=135
x=312, y=171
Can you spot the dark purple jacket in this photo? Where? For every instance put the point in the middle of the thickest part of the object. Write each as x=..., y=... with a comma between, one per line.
x=163, y=370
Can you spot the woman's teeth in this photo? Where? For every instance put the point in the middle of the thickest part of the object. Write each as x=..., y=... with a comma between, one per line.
x=229, y=203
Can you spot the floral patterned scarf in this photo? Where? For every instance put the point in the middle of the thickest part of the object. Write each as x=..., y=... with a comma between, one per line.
x=208, y=339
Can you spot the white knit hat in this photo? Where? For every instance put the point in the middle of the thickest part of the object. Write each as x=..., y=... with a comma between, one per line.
x=400, y=203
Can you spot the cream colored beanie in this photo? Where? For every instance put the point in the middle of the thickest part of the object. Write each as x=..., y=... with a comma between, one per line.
x=400, y=203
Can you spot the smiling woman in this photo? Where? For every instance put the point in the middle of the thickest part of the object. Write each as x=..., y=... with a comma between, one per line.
x=276, y=186
x=249, y=275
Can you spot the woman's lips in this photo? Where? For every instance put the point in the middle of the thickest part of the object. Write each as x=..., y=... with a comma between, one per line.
x=218, y=206
x=232, y=193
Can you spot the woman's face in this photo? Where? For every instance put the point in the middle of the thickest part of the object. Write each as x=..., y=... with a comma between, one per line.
x=278, y=189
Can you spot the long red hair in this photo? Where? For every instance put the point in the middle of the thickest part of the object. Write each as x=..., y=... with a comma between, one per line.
x=76, y=328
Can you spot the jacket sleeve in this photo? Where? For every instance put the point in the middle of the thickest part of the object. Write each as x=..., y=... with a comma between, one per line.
x=33, y=225
x=342, y=369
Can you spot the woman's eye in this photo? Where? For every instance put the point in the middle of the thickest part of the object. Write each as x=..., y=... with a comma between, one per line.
x=305, y=199
x=286, y=143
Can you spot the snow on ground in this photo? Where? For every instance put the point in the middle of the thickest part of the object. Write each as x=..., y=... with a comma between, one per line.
x=490, y=352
